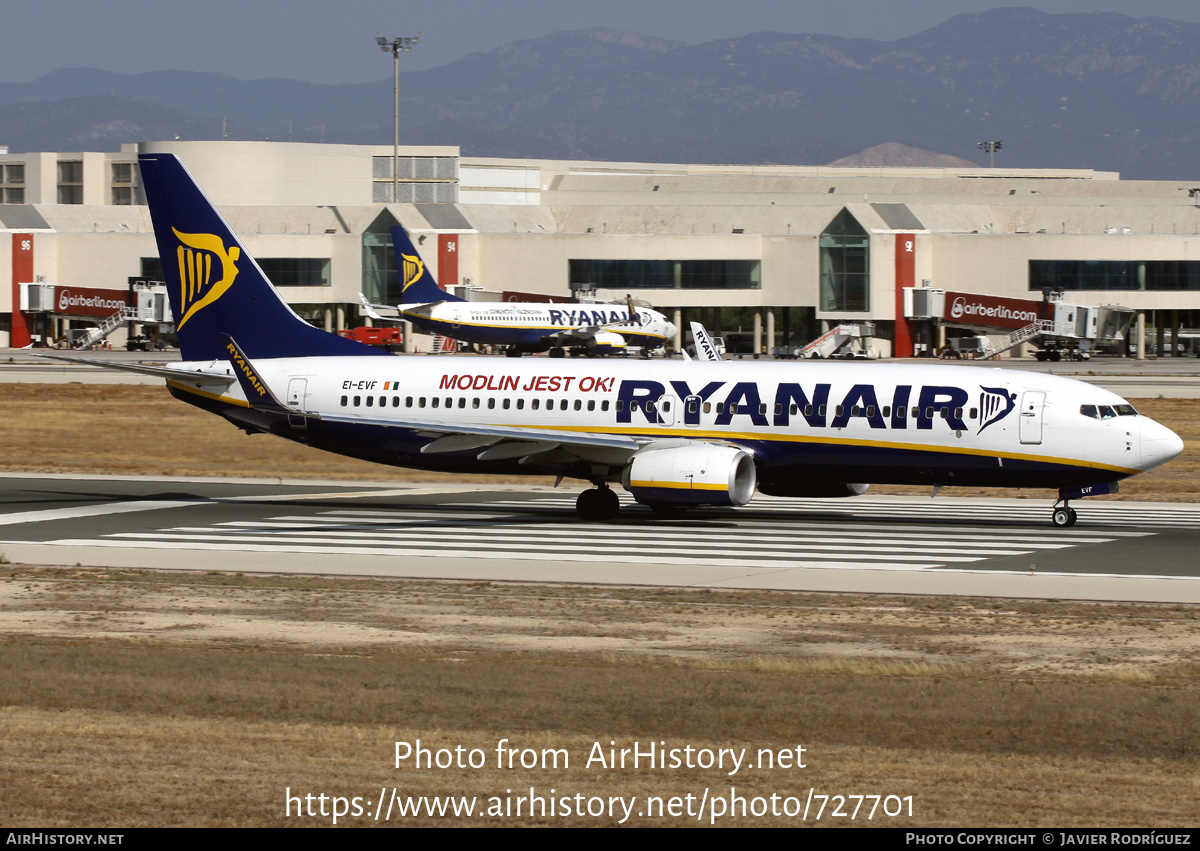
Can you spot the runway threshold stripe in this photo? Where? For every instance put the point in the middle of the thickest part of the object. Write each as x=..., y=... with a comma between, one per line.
x=439, y=553
x=392, y=531
x=523, y=548
x=1004, y=519
x=696, y=525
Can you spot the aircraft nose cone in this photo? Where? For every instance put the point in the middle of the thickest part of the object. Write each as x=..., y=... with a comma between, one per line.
x=1159, y=444
x=671, y=329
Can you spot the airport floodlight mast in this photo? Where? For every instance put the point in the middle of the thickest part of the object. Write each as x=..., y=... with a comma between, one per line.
x=991, y=148
x=396, y=46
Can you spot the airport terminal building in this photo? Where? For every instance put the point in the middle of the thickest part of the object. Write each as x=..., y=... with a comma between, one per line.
x=764, y=255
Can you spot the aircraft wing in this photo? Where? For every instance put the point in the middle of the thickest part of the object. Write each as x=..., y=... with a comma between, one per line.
x=577, y=335
x=372, y=310
x=503, y=441
x=213, y=374
x=395, y=314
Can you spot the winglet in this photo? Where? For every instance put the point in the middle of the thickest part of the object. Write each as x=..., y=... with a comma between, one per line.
x=258, y=394
x=705, y=350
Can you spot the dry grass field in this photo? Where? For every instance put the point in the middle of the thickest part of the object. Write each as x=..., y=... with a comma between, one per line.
x=132, y=698
x=142, y=698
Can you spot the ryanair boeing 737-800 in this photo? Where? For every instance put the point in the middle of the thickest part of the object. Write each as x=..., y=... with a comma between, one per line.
x=519, y=327
x=673, y=434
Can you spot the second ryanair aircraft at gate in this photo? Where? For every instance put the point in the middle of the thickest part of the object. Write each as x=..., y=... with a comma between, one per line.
x=673, y=434
x=519, y=327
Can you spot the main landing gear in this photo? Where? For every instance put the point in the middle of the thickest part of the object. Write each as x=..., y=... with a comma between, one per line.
x=600, y=503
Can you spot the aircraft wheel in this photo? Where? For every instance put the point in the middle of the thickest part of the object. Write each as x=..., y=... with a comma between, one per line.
x=597, y=504
x=1064, y=516
x=512, y=353
x=1074, y=517
x=557, y=353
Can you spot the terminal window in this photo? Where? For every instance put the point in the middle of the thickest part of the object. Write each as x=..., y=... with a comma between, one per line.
x=12, y=176
x=122, y=183
x=70, y=182
x=845, y=265
x=1108, y=275
x=666, y=274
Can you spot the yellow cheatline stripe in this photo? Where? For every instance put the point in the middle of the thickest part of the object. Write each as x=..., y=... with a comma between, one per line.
x=216, y=396
x=681, y=485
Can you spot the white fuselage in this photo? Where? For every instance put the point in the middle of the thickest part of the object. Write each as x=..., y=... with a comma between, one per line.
x=534, y=325
x=841, y=422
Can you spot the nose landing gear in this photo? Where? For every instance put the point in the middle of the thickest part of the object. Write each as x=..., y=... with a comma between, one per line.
x=1064, y=515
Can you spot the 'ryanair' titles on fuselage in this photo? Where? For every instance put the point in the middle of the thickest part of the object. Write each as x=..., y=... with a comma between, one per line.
x=819, y=405
x=595, y=316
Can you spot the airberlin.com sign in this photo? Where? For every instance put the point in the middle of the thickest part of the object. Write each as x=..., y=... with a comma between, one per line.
x=972, y=309
x=81, y=302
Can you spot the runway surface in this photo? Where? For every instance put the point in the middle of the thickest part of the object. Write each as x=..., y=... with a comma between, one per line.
x=987, y=547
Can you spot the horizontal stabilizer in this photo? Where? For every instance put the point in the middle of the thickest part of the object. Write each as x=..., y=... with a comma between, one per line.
x=218, y=374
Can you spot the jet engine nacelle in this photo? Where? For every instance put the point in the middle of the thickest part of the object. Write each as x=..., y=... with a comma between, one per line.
x=695, y=474
x=813, y=489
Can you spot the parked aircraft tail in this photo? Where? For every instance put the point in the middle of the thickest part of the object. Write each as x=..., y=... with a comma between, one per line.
x=214, y=284
x=417, y=285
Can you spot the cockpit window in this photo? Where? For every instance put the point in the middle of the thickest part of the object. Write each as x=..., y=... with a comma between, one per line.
x=1107, y=412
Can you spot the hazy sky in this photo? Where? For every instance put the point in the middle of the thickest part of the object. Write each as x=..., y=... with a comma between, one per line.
x=332, y=41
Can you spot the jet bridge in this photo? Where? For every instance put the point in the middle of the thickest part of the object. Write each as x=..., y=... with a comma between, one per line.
x=1002, y=324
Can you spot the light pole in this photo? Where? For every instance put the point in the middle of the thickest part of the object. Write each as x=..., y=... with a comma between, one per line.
x=396, y=46
x=991, y=148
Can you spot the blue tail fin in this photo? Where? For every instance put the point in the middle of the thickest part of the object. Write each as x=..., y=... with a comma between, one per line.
x=214, y=284
x=417, y=286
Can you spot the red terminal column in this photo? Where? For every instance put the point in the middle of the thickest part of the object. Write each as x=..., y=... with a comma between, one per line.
x=906, y=266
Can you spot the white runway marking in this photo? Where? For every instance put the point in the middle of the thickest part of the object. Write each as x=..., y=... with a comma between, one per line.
x=546, y=529
x=89, y=511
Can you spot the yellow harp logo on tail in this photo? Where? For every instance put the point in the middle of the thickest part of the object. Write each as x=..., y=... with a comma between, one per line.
x=199, y=283
x=413, y=269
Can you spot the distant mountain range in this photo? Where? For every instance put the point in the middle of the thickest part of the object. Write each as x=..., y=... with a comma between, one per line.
x=1094, y=90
